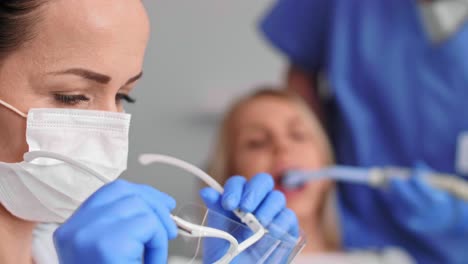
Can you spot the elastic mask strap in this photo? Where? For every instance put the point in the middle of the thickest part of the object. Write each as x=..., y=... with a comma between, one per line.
x=249, y=219
x=32, y=155
x=12, y=108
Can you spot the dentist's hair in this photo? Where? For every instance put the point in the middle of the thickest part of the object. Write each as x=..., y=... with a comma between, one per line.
x=220, y=167
x=18, y=19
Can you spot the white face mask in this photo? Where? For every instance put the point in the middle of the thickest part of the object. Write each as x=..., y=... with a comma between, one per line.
x=50, y=190
x=444, y=18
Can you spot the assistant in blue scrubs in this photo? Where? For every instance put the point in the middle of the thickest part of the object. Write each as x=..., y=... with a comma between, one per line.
x=397, y=98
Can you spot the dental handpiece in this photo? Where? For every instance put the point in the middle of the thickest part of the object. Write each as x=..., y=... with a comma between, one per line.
x=376, y=177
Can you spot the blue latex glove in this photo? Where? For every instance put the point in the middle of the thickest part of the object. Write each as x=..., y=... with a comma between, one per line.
x=425, y=209
x=120, y=223
x=256, y=196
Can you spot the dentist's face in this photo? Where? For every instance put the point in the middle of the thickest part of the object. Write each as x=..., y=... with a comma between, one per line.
x=272, y=135
x=86, y=54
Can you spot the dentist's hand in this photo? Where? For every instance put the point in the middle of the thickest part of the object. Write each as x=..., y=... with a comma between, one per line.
x=255, y=196
x=120, y=223
x=425, y=209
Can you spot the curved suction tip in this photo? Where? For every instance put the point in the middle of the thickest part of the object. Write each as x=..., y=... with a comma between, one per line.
x=293, y=179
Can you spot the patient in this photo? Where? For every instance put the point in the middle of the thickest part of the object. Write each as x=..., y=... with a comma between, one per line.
x=273, y=131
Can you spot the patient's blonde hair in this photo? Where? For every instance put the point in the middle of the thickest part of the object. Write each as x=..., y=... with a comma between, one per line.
x=220, y=163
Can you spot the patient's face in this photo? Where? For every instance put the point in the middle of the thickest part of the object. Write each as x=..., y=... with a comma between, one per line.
x=272, y=135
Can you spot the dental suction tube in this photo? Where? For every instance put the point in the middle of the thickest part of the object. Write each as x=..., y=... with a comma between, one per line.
x=376, y=177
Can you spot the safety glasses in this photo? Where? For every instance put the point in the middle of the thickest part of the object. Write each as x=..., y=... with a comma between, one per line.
x=253, y=235
x=223, y=239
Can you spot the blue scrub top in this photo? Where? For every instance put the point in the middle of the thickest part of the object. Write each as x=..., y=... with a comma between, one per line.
x=397, y=99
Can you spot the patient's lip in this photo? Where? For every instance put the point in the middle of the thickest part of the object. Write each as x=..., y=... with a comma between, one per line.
x=279, y=173
x=281, y=167
x=290, y=193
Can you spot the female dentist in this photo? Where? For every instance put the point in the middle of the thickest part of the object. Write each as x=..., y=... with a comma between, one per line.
x=66, y=66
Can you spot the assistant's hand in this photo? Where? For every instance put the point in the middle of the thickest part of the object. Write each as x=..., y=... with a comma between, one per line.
x=425, y=209
x=255, y=196
x=120, y=223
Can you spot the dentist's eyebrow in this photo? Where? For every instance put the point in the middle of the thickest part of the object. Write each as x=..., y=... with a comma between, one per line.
x=86, y=74
x=94, y=76
x=134, y=79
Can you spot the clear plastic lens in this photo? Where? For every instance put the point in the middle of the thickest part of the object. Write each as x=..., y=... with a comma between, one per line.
x=276, y=246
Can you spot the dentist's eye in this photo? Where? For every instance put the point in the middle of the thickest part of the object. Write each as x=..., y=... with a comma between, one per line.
x=125, y=97
x=70, y=99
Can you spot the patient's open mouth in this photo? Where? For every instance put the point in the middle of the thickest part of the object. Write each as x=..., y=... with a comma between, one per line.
x=279, y=184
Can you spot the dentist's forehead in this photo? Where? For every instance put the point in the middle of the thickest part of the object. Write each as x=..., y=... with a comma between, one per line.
x=99, y=30
x=99, y=15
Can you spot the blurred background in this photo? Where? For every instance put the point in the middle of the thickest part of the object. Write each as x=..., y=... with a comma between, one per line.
x=201, y=55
